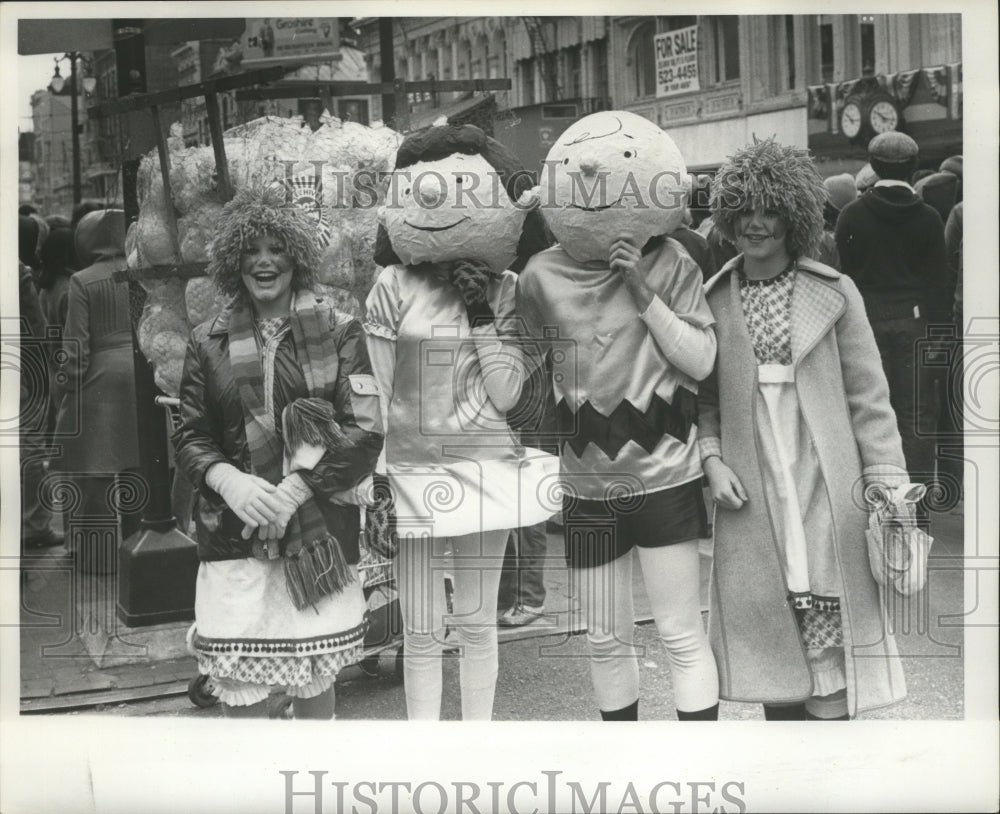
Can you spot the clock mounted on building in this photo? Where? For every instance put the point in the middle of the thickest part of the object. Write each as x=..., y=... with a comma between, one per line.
x=869, y=113
x=883, y=114
x=850, y=119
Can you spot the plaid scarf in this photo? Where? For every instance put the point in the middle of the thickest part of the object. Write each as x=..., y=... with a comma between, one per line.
x=314, y=563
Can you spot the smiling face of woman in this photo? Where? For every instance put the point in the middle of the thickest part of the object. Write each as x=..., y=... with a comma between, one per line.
x=266, y=269
x=760, y=236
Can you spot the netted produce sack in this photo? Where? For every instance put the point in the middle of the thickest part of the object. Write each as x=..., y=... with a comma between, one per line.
x=337, y=174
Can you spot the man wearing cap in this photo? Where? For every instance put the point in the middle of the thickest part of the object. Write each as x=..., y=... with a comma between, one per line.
x=891, y=244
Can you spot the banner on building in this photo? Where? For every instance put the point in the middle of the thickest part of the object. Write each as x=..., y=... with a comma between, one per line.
x=290, y=40
x=677, y=61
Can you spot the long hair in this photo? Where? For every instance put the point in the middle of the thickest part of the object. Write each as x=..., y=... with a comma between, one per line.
x=772, y=176
x=253, y=212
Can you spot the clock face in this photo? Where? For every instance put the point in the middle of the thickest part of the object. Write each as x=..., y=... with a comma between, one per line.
x=850, y=120
x=883, y=117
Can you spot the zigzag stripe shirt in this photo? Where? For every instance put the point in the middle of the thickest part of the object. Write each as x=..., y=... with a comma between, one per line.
x=626, y=412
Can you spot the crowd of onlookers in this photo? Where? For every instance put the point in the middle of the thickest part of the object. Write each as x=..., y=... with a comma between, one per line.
x=78, y=412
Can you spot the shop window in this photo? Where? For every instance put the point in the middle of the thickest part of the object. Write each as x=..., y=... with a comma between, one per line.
x=825, y=48
x=867, y=45
x=353, y=110
x=550, y=76
x=642, y=61
x=599, y=55
x=725, y=41
x=790, y=50
x=780, y=50
x=526, y=67
x=574, y=75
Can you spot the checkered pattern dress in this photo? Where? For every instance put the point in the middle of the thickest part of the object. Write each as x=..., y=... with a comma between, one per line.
x=791, y=472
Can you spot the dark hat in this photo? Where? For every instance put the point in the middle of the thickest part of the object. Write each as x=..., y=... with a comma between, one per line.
x=892, y=148
x=940, y=190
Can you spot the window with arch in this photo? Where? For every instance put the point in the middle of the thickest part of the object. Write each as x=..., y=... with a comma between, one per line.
x=641, y=55
x=642, y=61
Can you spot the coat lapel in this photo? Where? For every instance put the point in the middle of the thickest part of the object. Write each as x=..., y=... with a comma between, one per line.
x=815, y=307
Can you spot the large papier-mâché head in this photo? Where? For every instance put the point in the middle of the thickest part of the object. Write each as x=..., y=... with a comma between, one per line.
x=610, y=175
x=457, y=194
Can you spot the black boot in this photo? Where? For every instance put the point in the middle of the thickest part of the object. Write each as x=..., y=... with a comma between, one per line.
x=708, y=714
x=784, y=712
x=629, y=713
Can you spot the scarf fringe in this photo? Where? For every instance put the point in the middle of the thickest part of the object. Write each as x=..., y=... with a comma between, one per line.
x=316, y=570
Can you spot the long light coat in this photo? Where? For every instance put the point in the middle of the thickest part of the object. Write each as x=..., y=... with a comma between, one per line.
x=844, y=401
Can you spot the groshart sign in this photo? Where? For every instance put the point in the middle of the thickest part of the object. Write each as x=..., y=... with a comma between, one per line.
x=286, y=40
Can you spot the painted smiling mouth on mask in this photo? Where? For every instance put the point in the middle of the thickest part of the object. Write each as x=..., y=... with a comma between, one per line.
x=597, y=208
x=435, y=228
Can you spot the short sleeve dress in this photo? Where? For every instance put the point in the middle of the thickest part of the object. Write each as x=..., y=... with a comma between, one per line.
x=454, y=466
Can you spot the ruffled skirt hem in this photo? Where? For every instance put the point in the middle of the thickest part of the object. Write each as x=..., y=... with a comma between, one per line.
x=244, y=680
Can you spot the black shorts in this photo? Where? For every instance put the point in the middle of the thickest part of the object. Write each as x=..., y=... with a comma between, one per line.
x=599, y=531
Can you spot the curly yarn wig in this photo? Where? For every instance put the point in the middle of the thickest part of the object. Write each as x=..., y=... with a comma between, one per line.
x=771, y=176
x=255, y=211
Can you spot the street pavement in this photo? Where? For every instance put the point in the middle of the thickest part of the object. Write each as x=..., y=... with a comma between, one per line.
x=544, y=674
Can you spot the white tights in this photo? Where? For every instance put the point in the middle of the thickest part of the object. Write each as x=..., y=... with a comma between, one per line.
x=671, y=577
x=475, y=569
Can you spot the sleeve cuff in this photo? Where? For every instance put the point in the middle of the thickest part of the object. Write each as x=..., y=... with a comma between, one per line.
x=888, y=475
x=373, y=328
x=710, y=445
x=656, y=310
x=294, y=487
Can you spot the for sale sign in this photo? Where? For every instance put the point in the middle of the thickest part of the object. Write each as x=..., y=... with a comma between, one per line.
x=290, y=40
x=676, y=61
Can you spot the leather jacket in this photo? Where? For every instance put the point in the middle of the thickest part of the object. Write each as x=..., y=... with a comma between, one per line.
x=212, y=431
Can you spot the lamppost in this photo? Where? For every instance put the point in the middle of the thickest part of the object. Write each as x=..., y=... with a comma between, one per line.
x=57, y=84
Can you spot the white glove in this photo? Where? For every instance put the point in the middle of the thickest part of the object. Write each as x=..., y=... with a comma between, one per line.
x=250, y=498
x=291, y=493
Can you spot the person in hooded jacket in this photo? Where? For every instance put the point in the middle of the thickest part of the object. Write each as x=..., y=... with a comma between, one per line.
x=95, y=391
x=891, y=245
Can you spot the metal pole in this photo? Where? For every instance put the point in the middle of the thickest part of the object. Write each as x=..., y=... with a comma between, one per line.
x=151, y=422
x=74, y=115
x=158, y=564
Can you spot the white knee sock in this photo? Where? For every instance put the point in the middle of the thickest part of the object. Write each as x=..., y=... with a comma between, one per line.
x=605, y=592
x=420, y=582
x=671, y=576
x=474, y=603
